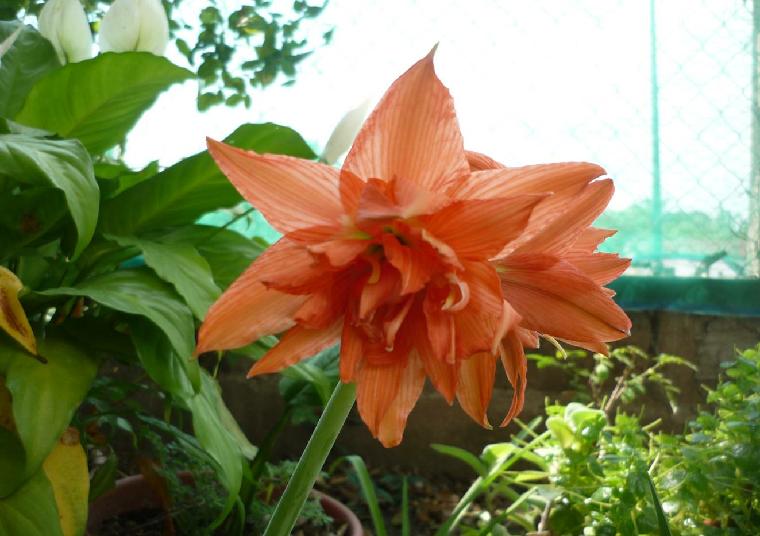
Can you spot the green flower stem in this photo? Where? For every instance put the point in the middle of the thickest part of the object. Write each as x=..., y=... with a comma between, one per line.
x=312, y=460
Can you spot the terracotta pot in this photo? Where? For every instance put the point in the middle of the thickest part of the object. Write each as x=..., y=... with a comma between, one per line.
x=133, y=493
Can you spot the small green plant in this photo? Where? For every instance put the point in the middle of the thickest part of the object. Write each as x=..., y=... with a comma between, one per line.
x=710, y=477
x=591, y=470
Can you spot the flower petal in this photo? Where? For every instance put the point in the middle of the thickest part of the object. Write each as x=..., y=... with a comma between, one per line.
x=413, y=134
x=291, y=193
x=516, y=367
x=351, y=352
x=413, y=263
x=475, y=387
x=296, y=345
x=479, y=325
x=376, y=388
x=590, y=238
x=375, y=294
x=560, y=233
x=340, y=253
x=564, y=180
x=248, y=309
x=556, y=299
x=391, y=429
x=480, y=162
x=480, y=228
x=601, y=268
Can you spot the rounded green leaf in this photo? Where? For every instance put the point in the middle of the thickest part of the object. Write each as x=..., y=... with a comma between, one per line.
x=98, y=101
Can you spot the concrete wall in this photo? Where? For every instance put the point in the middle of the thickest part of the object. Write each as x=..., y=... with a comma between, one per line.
x=705, y=340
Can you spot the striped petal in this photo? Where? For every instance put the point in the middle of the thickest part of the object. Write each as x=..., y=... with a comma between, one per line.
x=413, y=134
x=475, y=387
x=296, y=345
x=291, y=193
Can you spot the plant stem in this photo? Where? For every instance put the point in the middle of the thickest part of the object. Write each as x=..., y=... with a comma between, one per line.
x=312, y=460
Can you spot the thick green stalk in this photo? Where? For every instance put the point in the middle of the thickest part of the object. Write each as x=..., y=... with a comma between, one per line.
x=312, y=460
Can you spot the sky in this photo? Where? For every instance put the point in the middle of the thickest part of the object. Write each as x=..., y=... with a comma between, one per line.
x=533, y=81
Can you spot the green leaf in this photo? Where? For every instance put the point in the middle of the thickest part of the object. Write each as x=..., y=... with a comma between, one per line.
x=140, y=292
x=61, y=164
x=368, y=490
x=12, y=462
x=29, y=57
x=227, y=252
x=218, y=433
x=178, y=375
x=463, y=456
x=183, y=267
x=31, y=511
x=561, y=431
x=662, y=520
x=99, y=100
x=104, y=477
x=182, y=193
x=45, y=396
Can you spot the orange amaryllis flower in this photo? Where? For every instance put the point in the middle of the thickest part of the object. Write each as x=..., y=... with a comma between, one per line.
x=391, y=256
x=551, y=275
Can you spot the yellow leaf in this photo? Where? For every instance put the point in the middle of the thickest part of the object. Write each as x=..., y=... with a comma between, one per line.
x=12, y=317
x=66, y=469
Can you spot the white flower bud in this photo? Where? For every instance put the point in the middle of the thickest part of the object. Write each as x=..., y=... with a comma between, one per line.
x=134, y=25
x=345, y=132
x=64, y=24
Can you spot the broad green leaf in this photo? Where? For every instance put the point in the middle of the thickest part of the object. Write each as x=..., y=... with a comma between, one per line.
x=31, y=510
x=178, y=375
x=12, y=455
x=463, y=456
x=99, y=100
x=13, y=319
x=29, y=57
x=12, y=462
x=115, y=177
x=66, y=470
x=139, y=291
x=227, y=447
x=183, y=267
x=227, y=252
x=45, y=396
x=61, y=164
x=27, y=216
x=182, y=193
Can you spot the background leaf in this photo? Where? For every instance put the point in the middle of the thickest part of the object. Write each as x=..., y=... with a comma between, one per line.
x=29, y=58
x=228, y=253
x=182, y=193
x=178, y=375
x=139, y=291
x=46, y=396
x=12, y=316
x=61, y=164
x=218, y=434
x=31, y=511
x=66, y=470
x=99, y=100
x=183, y=267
